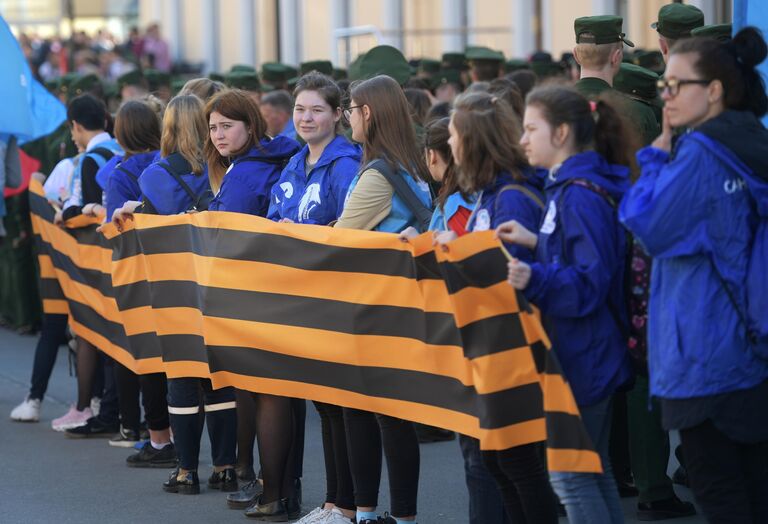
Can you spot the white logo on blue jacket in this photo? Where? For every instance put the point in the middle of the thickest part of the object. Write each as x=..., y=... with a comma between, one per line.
x=309, y=201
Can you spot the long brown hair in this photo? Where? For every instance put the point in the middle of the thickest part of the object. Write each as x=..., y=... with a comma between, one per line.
x=436, y=137
x=489, y=133
x=137, y=128
x=234, y=104
x=605, y=131
x=184, y=130
x=389, y=134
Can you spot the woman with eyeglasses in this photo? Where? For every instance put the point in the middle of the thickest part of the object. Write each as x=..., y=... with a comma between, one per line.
x=380, y=120
x=699, y=208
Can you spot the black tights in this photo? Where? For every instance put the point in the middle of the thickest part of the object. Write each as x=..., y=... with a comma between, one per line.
x=339, y=491
x=88, y=362
x=275, y=432
x=246, y=429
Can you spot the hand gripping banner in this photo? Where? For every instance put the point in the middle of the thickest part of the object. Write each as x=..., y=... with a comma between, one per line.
x=352, y=318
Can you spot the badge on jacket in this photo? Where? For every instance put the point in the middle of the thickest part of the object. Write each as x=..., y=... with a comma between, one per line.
x=549, y=219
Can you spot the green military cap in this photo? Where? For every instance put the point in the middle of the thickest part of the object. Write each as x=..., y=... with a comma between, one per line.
x=604, y=29
x=429, y=66
x=247, y=80
x=446, y=76
x=721, y=32
x=217, y=77
x=66, y=81
x=454, y=61
x=353, y=71
x=678, y=20
x=53, y=84
x=383, y=60
x=321, y=66
x=83, y=84
x=652, y=60
x=483, y=53
x=544, y=69
x=111, y=91
x=131, y=78
x=339, y=73
x=515, y=64
x=177, y=84
x=636, y=81
x=157, y=79
x=276, y=72
x=242, y=67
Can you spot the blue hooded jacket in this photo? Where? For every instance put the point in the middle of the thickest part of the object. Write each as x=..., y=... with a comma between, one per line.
x=247, y=184
x=165, y=194
x=319, y=197
x=496, y=205
x=577, y=281
x=694, y=211
x=120, y=186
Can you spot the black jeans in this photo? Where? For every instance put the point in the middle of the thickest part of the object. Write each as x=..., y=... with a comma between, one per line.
x=52, y=335
x=338, y=483
x=728, y=478
x=485, y=503
x=367, y=434
x=153, y=389
x=184, y=403
x=521, y=475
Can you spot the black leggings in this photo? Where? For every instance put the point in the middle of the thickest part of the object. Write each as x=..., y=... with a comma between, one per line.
x=338, y=478
x=367, y=434
x=521, y=475
x=154, y=391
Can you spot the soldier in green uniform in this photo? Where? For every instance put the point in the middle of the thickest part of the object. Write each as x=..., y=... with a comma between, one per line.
x=159, y=83
x=720, y=32
x=599, y=52
x=275, y=76
x=248, y=81
x=132, y=85
x=639, y=83
x=676, y=21
x=484, y=64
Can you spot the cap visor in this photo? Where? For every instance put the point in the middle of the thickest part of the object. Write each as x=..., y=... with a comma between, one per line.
x=628, y=42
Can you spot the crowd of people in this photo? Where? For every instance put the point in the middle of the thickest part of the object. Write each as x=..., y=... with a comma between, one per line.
x=629, y=203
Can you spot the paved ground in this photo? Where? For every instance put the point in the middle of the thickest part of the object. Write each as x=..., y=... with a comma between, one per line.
x=48, y=478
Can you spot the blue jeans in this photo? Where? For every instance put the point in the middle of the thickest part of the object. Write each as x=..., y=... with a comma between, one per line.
x=485, y=503
x=52, y=335
x=589, y=497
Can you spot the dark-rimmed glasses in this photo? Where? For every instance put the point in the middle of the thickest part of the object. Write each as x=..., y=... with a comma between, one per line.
x=348, y=111
x=674, y=84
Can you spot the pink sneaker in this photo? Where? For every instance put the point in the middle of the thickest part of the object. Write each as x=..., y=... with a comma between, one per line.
x=73, y=419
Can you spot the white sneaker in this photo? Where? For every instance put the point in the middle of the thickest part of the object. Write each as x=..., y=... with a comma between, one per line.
x=72, y=419
x=27, y=411
x=315, y=516
x=335, y=516
x=95, y=406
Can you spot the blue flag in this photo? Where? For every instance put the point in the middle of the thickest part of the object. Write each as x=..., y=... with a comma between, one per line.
x=27, y=109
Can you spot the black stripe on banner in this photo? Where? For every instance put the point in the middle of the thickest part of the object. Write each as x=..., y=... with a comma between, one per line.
x=88, y=236
x=50, y=289
x=566, y=431
x=308, y=312
x=39, y=206
x=493, y=410
x=480, y=270
x=89, y=277
x=274, y=249
x=493, y=335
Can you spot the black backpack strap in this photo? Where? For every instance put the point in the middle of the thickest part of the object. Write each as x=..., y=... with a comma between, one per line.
x=520, y=189
x=422, y=213
x=103, y=152
x=176, y=165
x=124, y=170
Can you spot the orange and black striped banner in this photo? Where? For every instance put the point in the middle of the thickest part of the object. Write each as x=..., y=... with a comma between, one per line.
x=352, y=318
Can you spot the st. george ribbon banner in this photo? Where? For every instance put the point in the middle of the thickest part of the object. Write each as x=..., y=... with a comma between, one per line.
x=352, y=318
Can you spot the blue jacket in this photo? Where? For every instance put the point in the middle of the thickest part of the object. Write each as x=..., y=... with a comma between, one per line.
x=119, y=187
x=692, y=211
x=577, y=279
x=319, y=197
x=246, y=186
x=441, y=215
x=502, y=202
x=165, y=194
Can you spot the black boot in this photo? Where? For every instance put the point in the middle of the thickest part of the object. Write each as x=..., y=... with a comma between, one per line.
x=271, y=512
x=671, y=508
x=184, y=484
x=246, y=497
x=225, y=480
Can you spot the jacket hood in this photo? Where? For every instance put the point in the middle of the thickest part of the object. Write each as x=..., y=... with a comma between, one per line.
x=339, y=147
x=591, y=166
x=272, y=149
x=139, y=162
x=743, y=135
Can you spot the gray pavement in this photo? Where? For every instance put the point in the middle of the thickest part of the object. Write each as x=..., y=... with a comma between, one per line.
x=49, y=478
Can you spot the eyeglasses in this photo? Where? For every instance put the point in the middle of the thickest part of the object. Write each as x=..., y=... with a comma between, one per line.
x=674, y=84
x=348, y=111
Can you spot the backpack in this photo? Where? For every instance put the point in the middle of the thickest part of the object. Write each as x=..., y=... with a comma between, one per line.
x=422, y=213
x=176, y=166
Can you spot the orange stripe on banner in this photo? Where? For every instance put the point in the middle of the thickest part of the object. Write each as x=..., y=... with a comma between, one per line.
x=504, y=370
x=91, y=297
x=55, y=307
x=573, y=460
x=84, y=256
x=46, y=266
x=83, y=221
x=36, y=187
x=472, y=304
x=557, y=394
x=356, y=288
x=138, y=320
x=467, y=246
x=513, y=435
x=35, y=223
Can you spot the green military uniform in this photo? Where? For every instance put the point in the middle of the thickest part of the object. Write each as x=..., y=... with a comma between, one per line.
x=607, y=30
x=275, y=75
x=721, y=32
x=639, y=83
